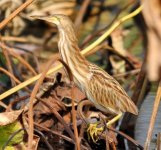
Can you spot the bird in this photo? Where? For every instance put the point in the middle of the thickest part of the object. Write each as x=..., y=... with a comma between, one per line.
x=100, y=88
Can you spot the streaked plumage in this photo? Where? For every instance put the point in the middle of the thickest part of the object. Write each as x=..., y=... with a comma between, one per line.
x=100, y=88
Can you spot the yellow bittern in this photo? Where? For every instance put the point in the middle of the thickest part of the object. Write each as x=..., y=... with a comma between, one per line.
x=100, y=88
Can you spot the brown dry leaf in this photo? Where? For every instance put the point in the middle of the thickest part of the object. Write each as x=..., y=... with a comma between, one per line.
x=43, y=113
x=9, y=117
x=53, y=102
x=112, y=137
x=65, y=92
x=67, y=117
x=59, y=97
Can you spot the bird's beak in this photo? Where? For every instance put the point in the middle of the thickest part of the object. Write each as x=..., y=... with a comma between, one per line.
x=51, y=19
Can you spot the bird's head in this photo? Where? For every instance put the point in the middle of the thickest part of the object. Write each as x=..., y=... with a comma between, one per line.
x=64, y=24
x=62, y=21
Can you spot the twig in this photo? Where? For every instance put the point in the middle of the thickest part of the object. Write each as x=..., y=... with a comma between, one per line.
x=11, y=51
x=15, y=101
x=15, y=13
x=57, y=115
x=12, y=77
x=97, y=33
x=30, y=112
x=132, y=72
x=8, y=65
x=111, y=29
x=84, y=52
x=106, y=133
x=3, y=105
x=153, y=117
x=73, y=106
x=15, y=39
x=55, y=133
x=127, y=137
x=158, y=143
x=44, y=138
x=81, y=14
x=58, y=134
x=30, y=53
x=75, y=120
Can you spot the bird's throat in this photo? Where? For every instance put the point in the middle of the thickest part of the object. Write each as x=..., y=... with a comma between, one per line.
x=70, y=54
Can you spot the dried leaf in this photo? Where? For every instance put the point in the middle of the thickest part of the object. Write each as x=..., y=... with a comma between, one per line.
x=9, y=117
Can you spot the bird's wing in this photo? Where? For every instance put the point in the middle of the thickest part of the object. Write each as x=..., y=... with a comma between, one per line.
x=108, y=93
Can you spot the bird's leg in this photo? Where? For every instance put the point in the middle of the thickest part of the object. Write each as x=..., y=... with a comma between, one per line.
x=94, y=130
x=114, y=119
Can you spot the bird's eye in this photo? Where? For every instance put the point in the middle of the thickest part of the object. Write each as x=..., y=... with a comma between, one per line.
x=58, y=18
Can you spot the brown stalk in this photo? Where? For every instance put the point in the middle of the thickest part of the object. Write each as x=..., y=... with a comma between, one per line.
x=15, y=39
x=59, y=117
x=33, y=95
x=30, y=53
x=3, y=105
x=18, y=99
x=153, y=117
x=8, y=65
x=127, y=137
x=58, y=134
x=75, y=120
x=11, y=51
x=132, y=72
x=129, y=59
x=107, y=141
x=98, y=33
x=73, y=106
x=15, y=13
x=55, y=133
x=81, y=14
x=158, y=143
x=12, y=77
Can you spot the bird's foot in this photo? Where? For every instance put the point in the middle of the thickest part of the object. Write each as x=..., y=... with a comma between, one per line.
x=93, y=131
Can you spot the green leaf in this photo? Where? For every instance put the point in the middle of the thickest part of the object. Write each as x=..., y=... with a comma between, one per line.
x=7, y=131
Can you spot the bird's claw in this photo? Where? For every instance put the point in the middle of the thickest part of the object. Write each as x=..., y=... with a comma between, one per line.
x=93, y=131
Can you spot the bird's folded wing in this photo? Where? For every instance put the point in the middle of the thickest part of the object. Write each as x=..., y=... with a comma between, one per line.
x=108, y=92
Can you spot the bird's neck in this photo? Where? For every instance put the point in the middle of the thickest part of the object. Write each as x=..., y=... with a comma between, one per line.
x=70, y=53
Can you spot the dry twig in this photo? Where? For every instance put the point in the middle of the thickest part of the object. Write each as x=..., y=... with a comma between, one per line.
x=30, y=113
x=153, y=117
x=15, y=13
